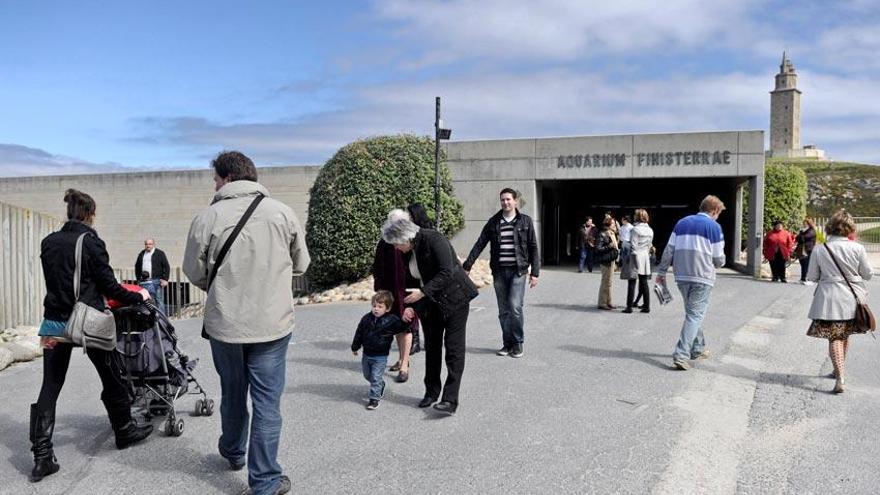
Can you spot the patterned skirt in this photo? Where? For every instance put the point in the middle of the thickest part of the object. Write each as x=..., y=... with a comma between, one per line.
x=833, y=329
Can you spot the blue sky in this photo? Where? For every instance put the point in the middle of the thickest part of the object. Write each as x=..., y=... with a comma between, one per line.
x=93, y=86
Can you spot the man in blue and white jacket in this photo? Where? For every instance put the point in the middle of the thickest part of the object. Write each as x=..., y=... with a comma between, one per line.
x=695, y=250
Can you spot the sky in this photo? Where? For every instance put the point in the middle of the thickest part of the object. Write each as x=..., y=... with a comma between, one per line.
x=100, y=86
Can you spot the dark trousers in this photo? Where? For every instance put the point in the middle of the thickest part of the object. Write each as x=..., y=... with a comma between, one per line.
x=445, y=332
x=777, y=266
x=643, y=291
x=55, y=364
x=586, y=257
x=805, y=265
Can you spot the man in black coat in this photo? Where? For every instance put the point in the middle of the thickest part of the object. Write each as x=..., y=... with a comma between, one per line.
x=513, y=249
x=152, y=271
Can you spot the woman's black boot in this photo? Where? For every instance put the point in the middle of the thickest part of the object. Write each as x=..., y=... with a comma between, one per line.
x=42, y=427
x=127, y=431
x=416, y=345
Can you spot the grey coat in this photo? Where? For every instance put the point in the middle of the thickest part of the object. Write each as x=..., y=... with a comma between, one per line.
x=833, y=299
x=251, y=300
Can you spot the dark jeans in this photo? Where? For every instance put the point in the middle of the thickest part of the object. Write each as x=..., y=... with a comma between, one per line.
x=643, y=291
x=777, y=266
x=442, y=332
x=586, y=257
x=805, y=265
x=510, y=288
x=157, y=292
x=55, y=364
x=260, y=368
x=374, y=371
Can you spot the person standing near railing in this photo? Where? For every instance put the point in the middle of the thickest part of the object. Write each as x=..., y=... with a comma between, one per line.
x=152, y=271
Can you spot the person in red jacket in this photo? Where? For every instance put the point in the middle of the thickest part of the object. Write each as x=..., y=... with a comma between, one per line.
x=778, y=245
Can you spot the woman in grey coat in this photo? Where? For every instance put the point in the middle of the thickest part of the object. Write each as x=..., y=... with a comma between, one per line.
x=834, y=305
x=638, y=263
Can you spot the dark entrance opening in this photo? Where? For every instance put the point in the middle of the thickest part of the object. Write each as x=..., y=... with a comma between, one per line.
x=565, y=204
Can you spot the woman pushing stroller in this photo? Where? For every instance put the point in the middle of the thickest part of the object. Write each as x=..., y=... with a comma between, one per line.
x=96, y=282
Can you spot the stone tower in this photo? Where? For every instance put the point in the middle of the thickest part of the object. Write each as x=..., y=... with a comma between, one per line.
x=785, y=112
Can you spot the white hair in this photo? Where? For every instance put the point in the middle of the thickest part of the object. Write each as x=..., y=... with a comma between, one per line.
x=398, y=228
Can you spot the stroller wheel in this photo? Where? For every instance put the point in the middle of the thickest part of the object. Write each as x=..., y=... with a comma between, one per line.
x=199, y=410
x=209, y=407
x=174, y=428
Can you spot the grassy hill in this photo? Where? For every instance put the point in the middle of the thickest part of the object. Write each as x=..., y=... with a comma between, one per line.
x=833, y=185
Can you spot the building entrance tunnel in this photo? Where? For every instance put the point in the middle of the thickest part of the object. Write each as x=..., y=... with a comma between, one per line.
x=565, y=204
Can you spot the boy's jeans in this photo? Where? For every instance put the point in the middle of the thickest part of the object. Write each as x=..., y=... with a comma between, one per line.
x=374, y=372
x=696, y=301
x=259, y=367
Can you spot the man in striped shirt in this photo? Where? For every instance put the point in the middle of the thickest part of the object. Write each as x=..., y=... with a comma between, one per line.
x=695, y=250
x=513, y=249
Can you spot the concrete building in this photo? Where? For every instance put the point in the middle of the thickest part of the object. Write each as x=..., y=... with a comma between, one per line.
x=785, y=117
x=563, y=180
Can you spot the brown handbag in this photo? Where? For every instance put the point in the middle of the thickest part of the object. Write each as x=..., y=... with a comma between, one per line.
x=864, y=318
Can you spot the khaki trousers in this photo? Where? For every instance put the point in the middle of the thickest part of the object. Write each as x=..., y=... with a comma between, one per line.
x=605, y=285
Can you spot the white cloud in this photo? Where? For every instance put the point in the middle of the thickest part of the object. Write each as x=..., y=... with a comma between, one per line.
x=448, y=31
x=19, y=161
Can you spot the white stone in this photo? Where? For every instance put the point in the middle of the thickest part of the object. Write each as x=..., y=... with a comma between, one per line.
x=22, y=351
x=6, y=358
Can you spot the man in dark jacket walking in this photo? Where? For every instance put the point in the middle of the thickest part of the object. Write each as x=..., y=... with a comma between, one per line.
x=152, y=271
x=513, y=248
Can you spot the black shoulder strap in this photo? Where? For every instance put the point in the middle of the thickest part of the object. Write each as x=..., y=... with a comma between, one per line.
x=229, y=240
x=834, y=259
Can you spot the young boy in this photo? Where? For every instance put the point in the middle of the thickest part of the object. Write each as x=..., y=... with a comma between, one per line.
x=375, y=333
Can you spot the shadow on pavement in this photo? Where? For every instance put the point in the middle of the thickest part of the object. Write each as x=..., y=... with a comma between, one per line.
x=354, y=364
x=355, y=394
x=590, y=308
x=644, y=357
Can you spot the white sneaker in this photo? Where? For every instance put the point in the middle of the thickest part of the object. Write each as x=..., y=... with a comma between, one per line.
x=807, y=282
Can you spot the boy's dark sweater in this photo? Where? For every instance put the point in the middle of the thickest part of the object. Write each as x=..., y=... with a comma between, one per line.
x=376, y=334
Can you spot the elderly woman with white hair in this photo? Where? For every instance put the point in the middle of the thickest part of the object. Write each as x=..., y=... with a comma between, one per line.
x=442, y=303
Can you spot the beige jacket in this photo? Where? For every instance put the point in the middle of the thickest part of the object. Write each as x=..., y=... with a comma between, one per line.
x=251, y=299
x=833, y=300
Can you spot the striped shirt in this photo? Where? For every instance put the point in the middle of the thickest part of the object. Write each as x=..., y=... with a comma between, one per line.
x=506, y=248
x=695, y=250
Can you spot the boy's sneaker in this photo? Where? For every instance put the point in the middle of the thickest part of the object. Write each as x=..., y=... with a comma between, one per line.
x=681, y=365
x=516, y=351
x=373, y=404
x=504, y=351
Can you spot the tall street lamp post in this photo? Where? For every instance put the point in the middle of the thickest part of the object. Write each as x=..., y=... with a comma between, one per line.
x=439, y=133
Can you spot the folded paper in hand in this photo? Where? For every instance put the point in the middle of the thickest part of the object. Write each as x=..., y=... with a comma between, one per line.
x=663, y=294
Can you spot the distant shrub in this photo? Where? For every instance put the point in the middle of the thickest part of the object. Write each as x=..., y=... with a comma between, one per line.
x=353, y=194
x=785, y=198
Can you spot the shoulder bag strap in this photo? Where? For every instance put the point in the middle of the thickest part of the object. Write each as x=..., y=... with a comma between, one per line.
x=229, y=240
x=77, y=272
x=834, y=259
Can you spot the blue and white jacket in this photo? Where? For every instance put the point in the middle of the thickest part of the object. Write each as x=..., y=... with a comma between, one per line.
x=695, y=250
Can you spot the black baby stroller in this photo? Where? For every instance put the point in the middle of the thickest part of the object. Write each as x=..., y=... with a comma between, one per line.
x=157, y=372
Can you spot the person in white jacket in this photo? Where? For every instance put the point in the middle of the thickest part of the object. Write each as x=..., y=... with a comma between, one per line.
x=834, y=302
x=248, y=312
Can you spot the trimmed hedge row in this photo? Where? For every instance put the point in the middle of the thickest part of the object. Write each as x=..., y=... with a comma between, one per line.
x=353, y=194
x=785, y=198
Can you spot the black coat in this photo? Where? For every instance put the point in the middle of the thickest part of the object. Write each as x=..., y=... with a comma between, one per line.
x=444, y=281
x=376, y=334
x=59, y=263
x=161, y=268
x=525, y=243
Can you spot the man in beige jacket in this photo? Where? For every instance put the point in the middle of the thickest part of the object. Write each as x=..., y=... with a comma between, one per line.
x=248, y=312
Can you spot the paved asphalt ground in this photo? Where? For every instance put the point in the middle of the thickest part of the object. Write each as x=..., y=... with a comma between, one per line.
x=592, y=407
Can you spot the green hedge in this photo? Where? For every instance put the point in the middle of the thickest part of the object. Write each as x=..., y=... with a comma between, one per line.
x=785, y=198
x=353, y=194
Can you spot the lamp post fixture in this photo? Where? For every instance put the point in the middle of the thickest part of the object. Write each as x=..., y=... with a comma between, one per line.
x=439, y=133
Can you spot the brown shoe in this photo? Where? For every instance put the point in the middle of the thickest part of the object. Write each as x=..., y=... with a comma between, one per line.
x=681, y=365
x=606, y=308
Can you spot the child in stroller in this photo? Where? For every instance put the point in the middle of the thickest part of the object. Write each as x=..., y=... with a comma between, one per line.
x=157, y=372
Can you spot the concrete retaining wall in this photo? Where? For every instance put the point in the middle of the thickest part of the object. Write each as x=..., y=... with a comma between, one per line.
x=21, y=276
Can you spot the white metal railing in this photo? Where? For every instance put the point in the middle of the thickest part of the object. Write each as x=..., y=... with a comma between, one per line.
x=868, y=229
x=21, y=276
